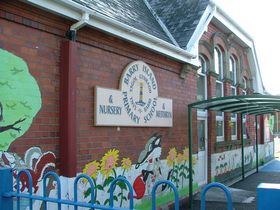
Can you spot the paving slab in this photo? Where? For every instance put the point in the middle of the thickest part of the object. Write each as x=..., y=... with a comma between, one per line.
x=238, y=195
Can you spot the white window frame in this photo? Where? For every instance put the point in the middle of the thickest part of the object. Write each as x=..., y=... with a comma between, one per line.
x=234, y=117
x=202, y=72
x=244, y=126
x=221, y=119
x=244, y=91
x=233, y=69
x=219, y=70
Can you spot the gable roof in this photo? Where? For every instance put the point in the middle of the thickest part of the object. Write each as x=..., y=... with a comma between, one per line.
x=180, y=16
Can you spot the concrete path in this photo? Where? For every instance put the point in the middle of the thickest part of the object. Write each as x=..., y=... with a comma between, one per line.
x=243, y=192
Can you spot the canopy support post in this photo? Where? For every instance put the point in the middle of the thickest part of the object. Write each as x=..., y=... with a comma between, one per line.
x=242, y=147
x=190, y=157
x=257, y=145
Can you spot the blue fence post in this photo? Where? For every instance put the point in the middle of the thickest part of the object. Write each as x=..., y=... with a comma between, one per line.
x=218, y=185
x=171, y=185
x=6, y=186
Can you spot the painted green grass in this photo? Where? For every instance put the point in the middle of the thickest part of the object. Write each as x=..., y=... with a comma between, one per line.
x=163, y=200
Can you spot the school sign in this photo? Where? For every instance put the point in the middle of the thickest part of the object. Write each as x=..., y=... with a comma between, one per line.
x=136, y=103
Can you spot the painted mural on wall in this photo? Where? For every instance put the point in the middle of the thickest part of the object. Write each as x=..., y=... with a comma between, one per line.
x=266, y=152
x=150, y=167
x=20, y=98
x=36, y=162
x=226, y=165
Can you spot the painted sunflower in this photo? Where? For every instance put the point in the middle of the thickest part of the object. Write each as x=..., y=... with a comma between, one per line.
x=109, y=162
x=186, y=154
x=171, y=158
x=194, y=161
x=180, y=158
x=91, y=169
x=126, y=163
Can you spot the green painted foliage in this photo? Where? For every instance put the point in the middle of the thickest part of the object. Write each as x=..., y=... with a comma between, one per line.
x=20, y=98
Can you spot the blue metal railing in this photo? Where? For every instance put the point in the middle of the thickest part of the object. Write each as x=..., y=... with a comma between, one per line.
x=218, y=185
x=7, y=193
x=176, y=194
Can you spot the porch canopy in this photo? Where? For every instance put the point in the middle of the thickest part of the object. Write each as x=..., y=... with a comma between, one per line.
x=255, y=104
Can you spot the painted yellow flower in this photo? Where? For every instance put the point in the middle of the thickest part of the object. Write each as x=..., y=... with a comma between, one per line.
x=172, y=154
x=91, y=169
x=109, y=162
x=126, y=163
x=194, y=161
x=186, y=154
x=180, y=158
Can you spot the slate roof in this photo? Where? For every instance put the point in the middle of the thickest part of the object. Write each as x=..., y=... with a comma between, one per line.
x=179, y=16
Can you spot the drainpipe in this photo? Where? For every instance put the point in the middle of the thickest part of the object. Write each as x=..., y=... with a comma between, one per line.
x=72, y=33
x=68, y=100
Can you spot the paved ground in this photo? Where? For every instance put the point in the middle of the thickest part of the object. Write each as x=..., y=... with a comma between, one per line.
x=243, y=192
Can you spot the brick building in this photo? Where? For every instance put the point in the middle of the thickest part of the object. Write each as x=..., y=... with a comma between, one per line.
x=67, y=67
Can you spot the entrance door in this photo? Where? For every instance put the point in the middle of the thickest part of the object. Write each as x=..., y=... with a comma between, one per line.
x=202, y=151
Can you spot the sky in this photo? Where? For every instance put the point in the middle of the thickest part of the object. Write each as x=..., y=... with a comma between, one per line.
x=260, y=19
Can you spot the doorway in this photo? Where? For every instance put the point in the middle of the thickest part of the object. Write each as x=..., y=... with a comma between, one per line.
x=202, y=150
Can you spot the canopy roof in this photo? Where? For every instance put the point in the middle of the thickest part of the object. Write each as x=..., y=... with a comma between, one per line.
x=256, y=104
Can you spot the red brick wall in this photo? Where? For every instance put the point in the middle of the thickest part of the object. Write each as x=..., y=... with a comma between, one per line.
x=33, y=35
x=36, y=36
x=101, y=63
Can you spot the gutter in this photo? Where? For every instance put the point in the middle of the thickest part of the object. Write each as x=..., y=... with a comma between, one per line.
x=119, y=29
x=84, y=21
x=72, y=33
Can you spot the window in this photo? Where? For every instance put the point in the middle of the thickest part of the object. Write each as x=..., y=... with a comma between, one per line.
x=218, y=61
x=201, y=80
x=233, y=120
x=244, y=132
x=245, y=86
x=244, y=91
x=232, y=71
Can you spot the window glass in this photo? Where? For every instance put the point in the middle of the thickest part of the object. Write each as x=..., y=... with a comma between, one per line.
x=219, y=89
x=219, y=130
x=201, y=80
x=232, y=69
x=218, y=62
x=245, y=86
x=201, y=88
x=233, y=130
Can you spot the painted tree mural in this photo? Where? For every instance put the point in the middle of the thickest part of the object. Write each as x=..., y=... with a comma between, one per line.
x=20, y=98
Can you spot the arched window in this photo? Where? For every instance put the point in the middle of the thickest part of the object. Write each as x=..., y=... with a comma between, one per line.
x=232, y=69
x=201, y=80
x=218, y=61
